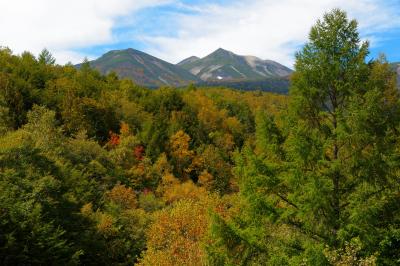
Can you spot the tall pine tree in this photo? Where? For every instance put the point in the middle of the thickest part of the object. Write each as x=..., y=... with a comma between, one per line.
x=328, y=179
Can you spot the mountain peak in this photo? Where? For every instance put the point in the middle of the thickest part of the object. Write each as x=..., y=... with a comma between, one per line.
x=120, y=52
x=221, y=66
x=221, y=51
x=142, y=68
x=224, y=65
x=188, y=60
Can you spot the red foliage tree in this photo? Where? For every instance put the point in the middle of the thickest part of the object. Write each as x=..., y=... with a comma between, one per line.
x=138, y=152
x=115, y=139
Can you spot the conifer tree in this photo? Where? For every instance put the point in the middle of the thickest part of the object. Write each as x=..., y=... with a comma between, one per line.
x=330, y=175
x=46, y=58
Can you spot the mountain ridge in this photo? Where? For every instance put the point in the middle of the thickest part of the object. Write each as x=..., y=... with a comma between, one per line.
x=228, y=66
x=220, y=68
x=190, y=59
x=144, y=69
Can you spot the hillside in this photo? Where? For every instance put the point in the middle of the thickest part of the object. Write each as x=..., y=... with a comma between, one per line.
x=275, y=85
x=223, y=65
x=97, y=170
x=142, y=68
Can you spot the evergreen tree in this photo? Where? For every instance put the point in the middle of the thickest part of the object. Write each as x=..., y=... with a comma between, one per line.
x=46, y=58
x=330, y=176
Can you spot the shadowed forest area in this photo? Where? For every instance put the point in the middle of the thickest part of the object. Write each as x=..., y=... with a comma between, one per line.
x=95, y=170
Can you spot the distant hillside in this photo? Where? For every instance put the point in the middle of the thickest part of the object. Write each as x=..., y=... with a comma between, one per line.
x=143, y=68
x=223, y=65
x=276, y=85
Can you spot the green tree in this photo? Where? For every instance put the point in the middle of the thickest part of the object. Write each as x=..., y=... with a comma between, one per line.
x=330, y=175
x=34, y=213
x=341, y=144
x=46, y=58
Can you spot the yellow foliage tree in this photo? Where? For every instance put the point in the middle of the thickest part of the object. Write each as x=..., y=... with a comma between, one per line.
x=123, y=196
x=208, y=114
x=186, y=190
x=175, y=238
x=173, y=190
x=180, y=153
x=206, y=180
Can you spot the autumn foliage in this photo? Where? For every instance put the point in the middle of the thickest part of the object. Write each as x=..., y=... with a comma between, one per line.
x=175, y=238
x=95, y=170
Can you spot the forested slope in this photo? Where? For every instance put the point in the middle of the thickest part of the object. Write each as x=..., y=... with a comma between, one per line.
x=87, y=160
x=95, y=170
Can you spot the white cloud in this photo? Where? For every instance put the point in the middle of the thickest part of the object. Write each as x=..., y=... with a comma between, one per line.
x=62, y=25
x=266, y=28
x=269, y=29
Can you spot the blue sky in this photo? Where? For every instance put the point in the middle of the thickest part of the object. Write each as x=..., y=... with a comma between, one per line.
x=176, y=29
x=389, y=45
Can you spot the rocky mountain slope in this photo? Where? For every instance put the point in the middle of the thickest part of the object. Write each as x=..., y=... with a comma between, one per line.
x=143, y=68
x=223, y=65
x=220, y=68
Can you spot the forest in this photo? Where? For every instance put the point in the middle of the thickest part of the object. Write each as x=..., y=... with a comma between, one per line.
x=95, y=170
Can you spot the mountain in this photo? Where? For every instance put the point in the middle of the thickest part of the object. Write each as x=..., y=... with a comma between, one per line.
x=143, y=68
x=223, y=65
x=220, y=68
x=189, y=60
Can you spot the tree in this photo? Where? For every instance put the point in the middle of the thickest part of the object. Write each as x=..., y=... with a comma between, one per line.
x=4, y=120
x=15, y=87
x=341, y=142
x=175, y=238
x=35, y=215
x=328, y=176
x=46, y=58
x=181, y=155
x=120, y=226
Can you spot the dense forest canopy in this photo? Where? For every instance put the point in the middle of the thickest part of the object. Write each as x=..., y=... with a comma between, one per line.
x=95, y=170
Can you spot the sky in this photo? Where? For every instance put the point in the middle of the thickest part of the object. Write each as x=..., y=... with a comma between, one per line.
x=176, y=29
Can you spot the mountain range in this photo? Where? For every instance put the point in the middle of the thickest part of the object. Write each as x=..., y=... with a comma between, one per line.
x=221, y=67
